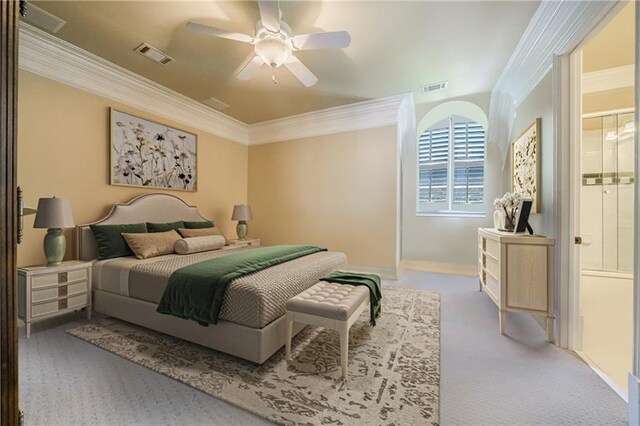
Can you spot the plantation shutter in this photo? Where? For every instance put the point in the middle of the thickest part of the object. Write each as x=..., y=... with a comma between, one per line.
x=433, y=160
x=468, y=147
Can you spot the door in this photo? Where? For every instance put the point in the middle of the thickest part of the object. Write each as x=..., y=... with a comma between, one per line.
x=9, y=413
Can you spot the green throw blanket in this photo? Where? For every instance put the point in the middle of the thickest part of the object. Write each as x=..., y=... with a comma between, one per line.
x=355, y=278
x=196, y=291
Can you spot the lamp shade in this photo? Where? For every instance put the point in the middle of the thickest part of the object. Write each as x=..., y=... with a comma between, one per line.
x=241, y=212
x=54, y=213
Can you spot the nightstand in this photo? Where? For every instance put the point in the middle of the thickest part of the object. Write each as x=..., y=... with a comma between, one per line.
x=48, y=291
x=243, y=243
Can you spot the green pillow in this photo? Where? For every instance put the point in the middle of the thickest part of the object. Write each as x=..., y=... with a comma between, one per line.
x=164, y=227
x=198, y=225
x=110, y=242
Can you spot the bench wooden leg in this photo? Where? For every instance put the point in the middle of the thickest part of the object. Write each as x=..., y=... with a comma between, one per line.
x=289, y=336
x=344, y=347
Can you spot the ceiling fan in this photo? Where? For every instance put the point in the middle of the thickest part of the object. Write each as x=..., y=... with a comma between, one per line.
x=274, y=43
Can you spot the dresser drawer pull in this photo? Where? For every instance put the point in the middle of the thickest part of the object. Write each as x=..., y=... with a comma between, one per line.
x=62, y=304
x=62, y=290
x=62, y=277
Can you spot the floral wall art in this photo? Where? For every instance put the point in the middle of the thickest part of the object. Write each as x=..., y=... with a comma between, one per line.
x=525, y=164
x=151, y=155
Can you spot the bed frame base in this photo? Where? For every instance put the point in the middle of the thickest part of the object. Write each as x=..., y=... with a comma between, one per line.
x=252, y=344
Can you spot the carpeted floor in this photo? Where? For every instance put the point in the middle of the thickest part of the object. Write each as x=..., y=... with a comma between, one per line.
x=486, y=378
x=394, y=375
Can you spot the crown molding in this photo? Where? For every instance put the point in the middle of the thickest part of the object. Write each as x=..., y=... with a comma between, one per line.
x=46, y=55
x=358, y=116
x=556, y=28
x=51, y=57
x=609, y=79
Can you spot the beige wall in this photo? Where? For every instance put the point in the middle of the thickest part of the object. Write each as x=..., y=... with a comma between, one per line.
x=608, y=100
x=63, y=150
x=338, y=191
x=538, y=105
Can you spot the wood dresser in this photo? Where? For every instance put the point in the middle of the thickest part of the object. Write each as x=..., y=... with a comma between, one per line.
x=517, y=272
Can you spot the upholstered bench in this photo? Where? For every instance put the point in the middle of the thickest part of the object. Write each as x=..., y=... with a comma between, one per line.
x=329, y=305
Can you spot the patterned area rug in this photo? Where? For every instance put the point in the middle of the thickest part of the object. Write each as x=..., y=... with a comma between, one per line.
x=394, y=367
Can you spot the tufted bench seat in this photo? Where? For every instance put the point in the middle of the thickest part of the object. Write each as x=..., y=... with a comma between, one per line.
x=330, y=305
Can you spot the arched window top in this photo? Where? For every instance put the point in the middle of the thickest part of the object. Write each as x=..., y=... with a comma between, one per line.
x=462, y=108
x=451, y=157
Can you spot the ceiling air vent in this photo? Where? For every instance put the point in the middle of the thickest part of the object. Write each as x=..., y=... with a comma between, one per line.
x=435, y=87
x=154, y=54
x=43, y=19
x=215, y=103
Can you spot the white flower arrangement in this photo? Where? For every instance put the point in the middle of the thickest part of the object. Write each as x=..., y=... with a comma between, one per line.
x=509, y=203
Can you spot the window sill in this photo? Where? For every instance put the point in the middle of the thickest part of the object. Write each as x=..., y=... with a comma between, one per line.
x=451, y=214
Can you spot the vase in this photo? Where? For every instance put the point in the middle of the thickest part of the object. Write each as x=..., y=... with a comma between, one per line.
x=508, y=222
x=498, y=219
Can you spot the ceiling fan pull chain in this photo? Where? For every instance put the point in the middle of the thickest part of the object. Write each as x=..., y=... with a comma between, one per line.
x=273, y=75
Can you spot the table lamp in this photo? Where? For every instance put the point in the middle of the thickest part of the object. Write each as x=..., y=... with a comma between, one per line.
x=242, y=213
x=54, y=214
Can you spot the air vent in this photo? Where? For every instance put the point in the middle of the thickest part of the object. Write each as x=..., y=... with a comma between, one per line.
x=43, y=19
x=215, y=103
x=435, y=87
x=154, y=54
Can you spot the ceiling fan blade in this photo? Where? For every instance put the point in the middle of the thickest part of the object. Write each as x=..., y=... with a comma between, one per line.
x=270, y=14
x=301, y=72
x=328, y=40
x=218, y=32
x=250, y=68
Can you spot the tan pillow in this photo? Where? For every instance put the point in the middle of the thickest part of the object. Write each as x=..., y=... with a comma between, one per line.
x=198, y=244
x=152, y=244
x=198, y=232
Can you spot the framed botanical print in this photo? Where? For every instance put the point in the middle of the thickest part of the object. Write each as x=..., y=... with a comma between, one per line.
x=151, y=155
x=525, y=164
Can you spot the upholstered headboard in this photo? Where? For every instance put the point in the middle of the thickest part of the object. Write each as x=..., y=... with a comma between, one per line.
x=158, y=208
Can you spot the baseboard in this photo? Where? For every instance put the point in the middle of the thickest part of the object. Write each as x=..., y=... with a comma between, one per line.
x=385, y=273
x=634, y=400
x=439, y=267
x=621, y=393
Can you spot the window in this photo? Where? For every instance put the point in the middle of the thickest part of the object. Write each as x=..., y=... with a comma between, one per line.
x=451, y=167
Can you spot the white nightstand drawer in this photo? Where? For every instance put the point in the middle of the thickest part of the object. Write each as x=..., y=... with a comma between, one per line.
x=76, y=288
x=44, y=280
x=77, y=301
x=43, y=295
x=44, y=309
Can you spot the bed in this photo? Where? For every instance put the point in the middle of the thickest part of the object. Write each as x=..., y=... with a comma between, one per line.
x=251, y=323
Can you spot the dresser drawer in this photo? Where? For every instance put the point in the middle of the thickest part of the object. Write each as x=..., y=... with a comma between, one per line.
x=46, y=280
x=71, y=289
x=44, y=308
x=43, y=295
x=492, y=266
x=492, y=248
x=47, y=308
x=492, y=286
x=77, y=301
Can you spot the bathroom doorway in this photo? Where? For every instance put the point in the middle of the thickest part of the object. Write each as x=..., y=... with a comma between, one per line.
x=605, y=211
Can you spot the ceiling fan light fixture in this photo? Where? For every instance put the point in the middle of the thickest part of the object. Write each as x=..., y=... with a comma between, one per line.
x=273, y=51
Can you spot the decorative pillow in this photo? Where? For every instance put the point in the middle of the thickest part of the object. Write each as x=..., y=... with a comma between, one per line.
x=200, y=232
x=198, y=225
x=110, y=242
x=164, y=227
x=152, y=244
x=198, y=244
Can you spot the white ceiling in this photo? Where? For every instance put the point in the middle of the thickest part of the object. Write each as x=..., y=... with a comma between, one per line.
x=396, y=47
